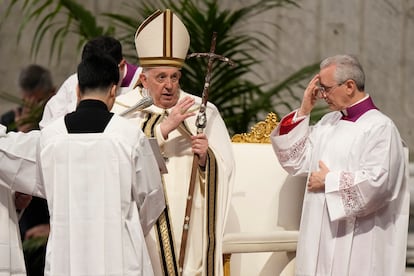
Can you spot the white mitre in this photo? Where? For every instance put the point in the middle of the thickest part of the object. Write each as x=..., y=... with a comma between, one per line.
x=162, y=40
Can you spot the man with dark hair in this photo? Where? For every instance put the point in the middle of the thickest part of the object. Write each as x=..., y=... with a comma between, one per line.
x=65, y=100
x=103, y=45
x=99, y=175
x=101, y=180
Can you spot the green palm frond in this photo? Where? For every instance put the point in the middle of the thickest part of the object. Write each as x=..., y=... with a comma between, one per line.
x=60, y=18
x=294, y=79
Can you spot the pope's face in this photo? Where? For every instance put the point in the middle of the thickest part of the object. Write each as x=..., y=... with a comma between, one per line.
x=163, y=85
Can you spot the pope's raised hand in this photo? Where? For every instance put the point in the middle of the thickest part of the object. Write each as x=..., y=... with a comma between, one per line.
x=178, y=114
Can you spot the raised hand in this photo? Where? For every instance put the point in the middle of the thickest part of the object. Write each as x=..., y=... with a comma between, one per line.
x=310, y=96
x=179, y=113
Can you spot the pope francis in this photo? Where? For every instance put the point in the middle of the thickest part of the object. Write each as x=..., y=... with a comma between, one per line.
x=162, y=42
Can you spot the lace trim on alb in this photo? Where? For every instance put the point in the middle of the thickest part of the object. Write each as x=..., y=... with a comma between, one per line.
x=293, y=151
x=351, y=198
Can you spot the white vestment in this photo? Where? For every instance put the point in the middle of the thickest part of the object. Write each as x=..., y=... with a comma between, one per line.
x=93, y=182
x=11, y=252
x=13, y=146
x=359, y=224
x=204, y=245
x=65, y=99
x=95, y=225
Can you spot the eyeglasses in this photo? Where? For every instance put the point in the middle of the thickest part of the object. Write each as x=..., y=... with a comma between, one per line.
x=163, y=78
x=327, y=89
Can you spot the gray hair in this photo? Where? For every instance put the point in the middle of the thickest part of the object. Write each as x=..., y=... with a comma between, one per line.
x=347, y=67
x=145, y=71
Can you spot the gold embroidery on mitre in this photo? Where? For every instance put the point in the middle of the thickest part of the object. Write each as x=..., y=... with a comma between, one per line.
x=168, y=33
x=260, y=132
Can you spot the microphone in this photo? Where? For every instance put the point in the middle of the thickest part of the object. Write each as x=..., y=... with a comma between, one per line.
x=140, y=105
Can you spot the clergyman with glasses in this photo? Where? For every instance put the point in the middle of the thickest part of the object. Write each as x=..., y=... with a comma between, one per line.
x=356, y=205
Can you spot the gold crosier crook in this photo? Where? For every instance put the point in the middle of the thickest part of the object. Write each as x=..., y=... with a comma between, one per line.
x=201, y=122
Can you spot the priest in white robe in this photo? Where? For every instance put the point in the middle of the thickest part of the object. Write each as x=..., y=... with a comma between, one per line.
x=11, y=253
x=171, y=121
x=17, y=162
x=101, y=180
x=356, y=207
x=65, y=99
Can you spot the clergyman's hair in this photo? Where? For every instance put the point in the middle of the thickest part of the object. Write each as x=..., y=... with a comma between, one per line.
x=103, y=45
x=347, y=67
x=35, y=78
x=97, y=72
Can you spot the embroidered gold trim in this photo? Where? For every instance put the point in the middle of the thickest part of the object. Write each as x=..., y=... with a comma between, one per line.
x=211, y=191
x=210, y=186
x=163, y=227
